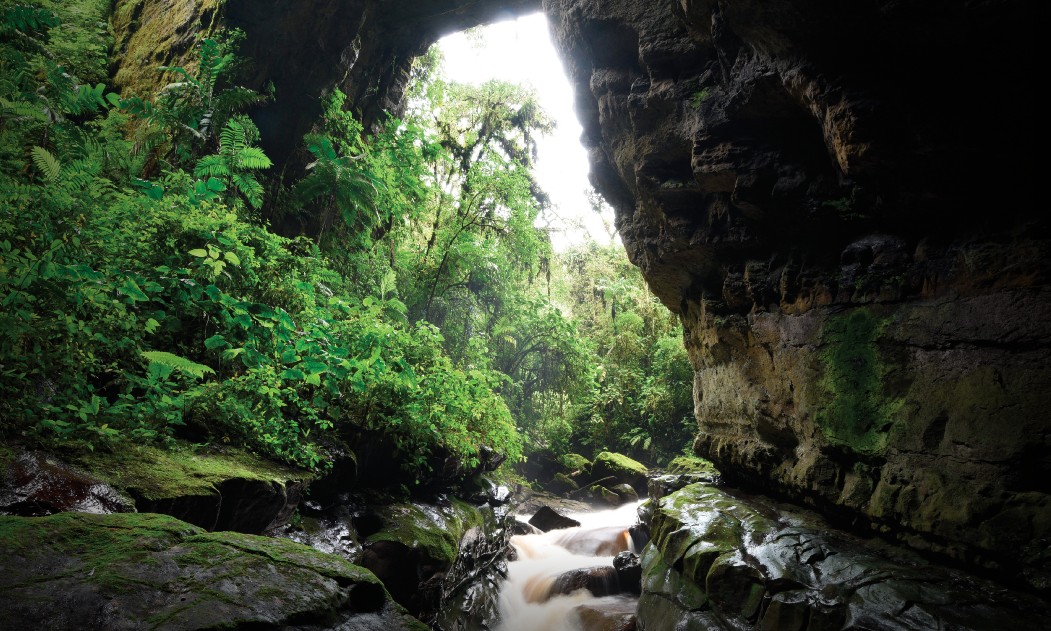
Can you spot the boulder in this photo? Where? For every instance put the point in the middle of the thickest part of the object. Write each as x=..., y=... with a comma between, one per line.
x=599, y=580
x=751, y=563
x=33, y=484
x=227, y=489
x=625, y=492
x=434, y=557
x=547, y=519
x=562, y=483
x=123, y=571
x=612, y=468
x=629, y=571
x=608, y=614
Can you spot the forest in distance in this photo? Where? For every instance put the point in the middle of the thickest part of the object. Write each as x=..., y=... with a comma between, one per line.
x=163, y=284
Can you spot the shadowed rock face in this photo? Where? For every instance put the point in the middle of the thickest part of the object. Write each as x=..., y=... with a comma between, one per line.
x=835, y=197
x=304, y=49
x=851, y=244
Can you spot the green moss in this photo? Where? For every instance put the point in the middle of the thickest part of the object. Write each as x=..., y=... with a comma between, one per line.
x=690, y=464
x=104, y=543
x=434, y=531
x=857, y=414
x=575, y=462
x=151, y=34
x=607, y=460
x=158, y=474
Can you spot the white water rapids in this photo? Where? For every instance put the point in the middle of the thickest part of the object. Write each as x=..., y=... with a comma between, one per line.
x=525, y=600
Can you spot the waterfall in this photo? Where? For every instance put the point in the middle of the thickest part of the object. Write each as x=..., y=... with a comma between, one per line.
x=562, y=574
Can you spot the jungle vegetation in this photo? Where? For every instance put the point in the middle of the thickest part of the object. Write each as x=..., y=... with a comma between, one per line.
x=147, y=298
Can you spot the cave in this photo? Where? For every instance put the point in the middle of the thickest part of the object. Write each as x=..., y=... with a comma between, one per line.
x=804, y=185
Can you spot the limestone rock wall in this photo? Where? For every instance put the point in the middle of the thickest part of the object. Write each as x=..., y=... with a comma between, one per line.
x=851, y=243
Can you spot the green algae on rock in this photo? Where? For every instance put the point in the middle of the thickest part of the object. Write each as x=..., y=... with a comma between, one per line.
x=76, y=571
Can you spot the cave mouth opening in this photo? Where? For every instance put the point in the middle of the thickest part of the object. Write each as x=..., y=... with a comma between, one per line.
x=519, y=50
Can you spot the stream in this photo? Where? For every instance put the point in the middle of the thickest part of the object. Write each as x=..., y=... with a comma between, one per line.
x=545, y=586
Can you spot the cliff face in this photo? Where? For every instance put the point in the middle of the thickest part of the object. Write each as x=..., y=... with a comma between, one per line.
x=848, y=234
x=835, y=197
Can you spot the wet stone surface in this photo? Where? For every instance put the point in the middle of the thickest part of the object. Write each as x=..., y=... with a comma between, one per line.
x=718, y=561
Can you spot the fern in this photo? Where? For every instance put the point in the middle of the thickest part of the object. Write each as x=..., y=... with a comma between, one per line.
x=46, y=163
x=253, y=158
x=26, y=19
x=213, y=165
x=181, y=364
x=249, y=187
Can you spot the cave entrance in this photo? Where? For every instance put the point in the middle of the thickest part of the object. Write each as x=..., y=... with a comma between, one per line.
x=520, y=51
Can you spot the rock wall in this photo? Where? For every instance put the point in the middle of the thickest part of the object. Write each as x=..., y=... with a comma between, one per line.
x=850, y=238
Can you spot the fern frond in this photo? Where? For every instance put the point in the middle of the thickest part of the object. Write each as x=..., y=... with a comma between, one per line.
x=232, y=139
x=22, y=110
x=253, y=158
x=211, y=166
x=46, y=163
x=26, y=19
x=183, y=365
x=249, y=187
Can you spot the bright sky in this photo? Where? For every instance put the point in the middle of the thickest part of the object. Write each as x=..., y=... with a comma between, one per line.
x=521, y=51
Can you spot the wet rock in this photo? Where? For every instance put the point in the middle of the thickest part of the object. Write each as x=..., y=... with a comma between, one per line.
x=33, y=485
x=608, y=614
x=602, y=495
x=522, y=528
x=748, y=563
x=225, y=489
x=547, y=519
x=562, y=484
x=600, y=581
x=435, y=558
x=625, y=492
x=78, y=571
x=629, y=571
x=611, y=468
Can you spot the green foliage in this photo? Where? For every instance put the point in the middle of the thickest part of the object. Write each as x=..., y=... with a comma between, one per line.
x=142, y=310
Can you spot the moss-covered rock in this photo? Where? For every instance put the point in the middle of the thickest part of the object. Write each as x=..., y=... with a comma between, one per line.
x=217, y=490
x=77, y=571
x=691, y=464
x=152, y=34
x=622, y=470
x=575, y=462
x=423, y=553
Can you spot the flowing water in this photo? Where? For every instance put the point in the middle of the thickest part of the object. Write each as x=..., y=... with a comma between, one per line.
x=530, y=598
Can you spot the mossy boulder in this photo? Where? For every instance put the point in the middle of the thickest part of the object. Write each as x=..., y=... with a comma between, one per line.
x=217, y=490
x=691, y=464
x=575, y=462
x=422, y=552
x=130, y=571
x=562, y=483
x=611, y=468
